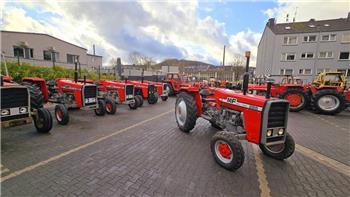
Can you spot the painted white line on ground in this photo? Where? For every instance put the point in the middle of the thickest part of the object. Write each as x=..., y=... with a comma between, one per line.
x=331, y=163
x=263, y=184
x=54, y=158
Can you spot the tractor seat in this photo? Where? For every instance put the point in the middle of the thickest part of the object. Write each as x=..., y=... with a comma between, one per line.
x=205, y=93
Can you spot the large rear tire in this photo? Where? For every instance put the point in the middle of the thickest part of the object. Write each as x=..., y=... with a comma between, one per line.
x=111, y=107
x=280, y=151
x=185, y=112
x=36, y=96
x=328, y=101
x=61, y=114
x=297, y=99
x=227, y=150
x=152, y=98
x=101, y=109
x=43, y=120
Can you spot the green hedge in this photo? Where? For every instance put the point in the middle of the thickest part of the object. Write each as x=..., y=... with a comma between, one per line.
x=48, y=73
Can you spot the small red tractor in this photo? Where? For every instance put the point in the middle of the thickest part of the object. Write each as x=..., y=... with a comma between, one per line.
x=117, y=92
x=145, y=90
x=176, y=81
x=290, y=89
x=328, y=93
x=67, y=93
x=23, y=104
x=162, y=89
x=257, y=119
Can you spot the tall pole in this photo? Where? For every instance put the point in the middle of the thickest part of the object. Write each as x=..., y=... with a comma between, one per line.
x=93, y=58
x=223, y=59
x=246, y=74
x=53, y=59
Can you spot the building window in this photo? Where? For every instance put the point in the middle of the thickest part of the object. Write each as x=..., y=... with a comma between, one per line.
x=307, y=55
x=26, y=53
x=326, y=54
x=290, y=40
x=320, y=70
x=310, y=38
x=306, y=71
x=346, y=37
x=328, y=37
x=71, y=58
x=286, y=71
x=47, y=55
x=344, y=56
x=288, y=57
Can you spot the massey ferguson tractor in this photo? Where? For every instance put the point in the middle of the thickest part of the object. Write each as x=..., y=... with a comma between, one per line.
x=144, y=90
x=162, y=89
x=290, y=89
x=258, y=119
x=67, y=93
x=23, y=104
x=328, y=93
x=176, y=81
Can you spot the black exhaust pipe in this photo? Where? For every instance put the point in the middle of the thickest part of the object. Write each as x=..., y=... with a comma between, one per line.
x=76, y=71
x=84, y=79
x=142, y=73
x=246, y=74
x=2, y=80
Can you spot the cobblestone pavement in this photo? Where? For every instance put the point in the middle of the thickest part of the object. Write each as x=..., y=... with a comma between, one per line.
x=142, y=153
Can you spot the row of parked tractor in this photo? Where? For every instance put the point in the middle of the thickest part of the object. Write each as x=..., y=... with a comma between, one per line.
x=23, y=102
x=326, y=95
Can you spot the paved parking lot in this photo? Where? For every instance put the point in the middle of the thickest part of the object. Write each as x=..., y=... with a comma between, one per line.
x=142, y=153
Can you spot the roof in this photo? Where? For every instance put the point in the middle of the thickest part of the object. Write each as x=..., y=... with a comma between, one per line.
x=311, y=26
x=93, y=55
x=42, y=34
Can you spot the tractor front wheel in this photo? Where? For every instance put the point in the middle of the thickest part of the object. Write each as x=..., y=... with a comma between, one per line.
x=61, y=114
x=152, y=98
x=135, y=104
x=227, y=150
x=111, y=107
x=328, y=102
x=280, y=151
x=185, y=112
x=297, y=99
x=101, y=109
x=140, y=100
x=43, y=120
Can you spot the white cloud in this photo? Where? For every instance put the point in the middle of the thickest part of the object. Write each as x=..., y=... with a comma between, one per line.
x=305, y=10
x=157, y=29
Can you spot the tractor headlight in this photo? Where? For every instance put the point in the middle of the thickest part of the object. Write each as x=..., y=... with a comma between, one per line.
x=22, y=110
x=280, y=131
x=269, y=133
x=5, y=112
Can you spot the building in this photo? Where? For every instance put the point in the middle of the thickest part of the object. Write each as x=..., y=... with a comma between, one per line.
x=45, y=50
x=304, y=49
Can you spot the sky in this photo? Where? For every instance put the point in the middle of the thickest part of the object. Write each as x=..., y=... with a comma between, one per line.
x=193, y=30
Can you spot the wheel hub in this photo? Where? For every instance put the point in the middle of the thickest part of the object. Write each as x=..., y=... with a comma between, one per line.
x=181, y=112
x=109, y=107
x=328, y=102
x=295, y=100
x=59, y=115
x=225, y=151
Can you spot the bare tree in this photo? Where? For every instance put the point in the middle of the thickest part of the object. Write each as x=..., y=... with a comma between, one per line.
x=141, y=60
x=238, y=66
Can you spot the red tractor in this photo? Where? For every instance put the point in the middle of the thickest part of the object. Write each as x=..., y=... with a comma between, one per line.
x=67, y=93
x=290, y=89
x=162, y=89
x=117, y=92
x=257, y=119
x=23, y=104
x=145, y=90
x=176, y=81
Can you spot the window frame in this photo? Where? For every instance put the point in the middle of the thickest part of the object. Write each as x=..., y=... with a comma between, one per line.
x=326, y=57
x=288, y=40
x=329, y=37
x=284, y=57
x=343, y=36
x=344, y=52
x=74, y=58
x=306, y=55
x=308, y=38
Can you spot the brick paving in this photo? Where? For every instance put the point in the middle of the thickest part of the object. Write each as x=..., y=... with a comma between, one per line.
x=156, y=159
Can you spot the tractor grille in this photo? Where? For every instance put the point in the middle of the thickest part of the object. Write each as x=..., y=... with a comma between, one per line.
x=14, y=97
x=90, y=95
x=277, y=114
x=151, y=89
x=129, y=92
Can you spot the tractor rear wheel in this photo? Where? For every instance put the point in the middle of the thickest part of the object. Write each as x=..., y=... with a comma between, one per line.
x=61, y=114
x=43, y=120
x=101, y=109
x=328, y=101
x=135, y=104
x=152, y=98
x=140, y=100
x=280, y=151
x=36, y=96
x=111, y=107
x=164, y=98
x=297, y=99
x=227, y=150
x=185, y=112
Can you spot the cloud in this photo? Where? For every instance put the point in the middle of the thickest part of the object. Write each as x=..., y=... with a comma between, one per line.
x=305, y=10
x=156, y=29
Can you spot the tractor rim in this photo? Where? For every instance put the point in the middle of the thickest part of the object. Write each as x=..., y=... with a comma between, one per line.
x=181, y=112
x=223, y=151
x=277, y=148
x=59, y=115
x=109, y=107
x=295, y=100
x=328, y=102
